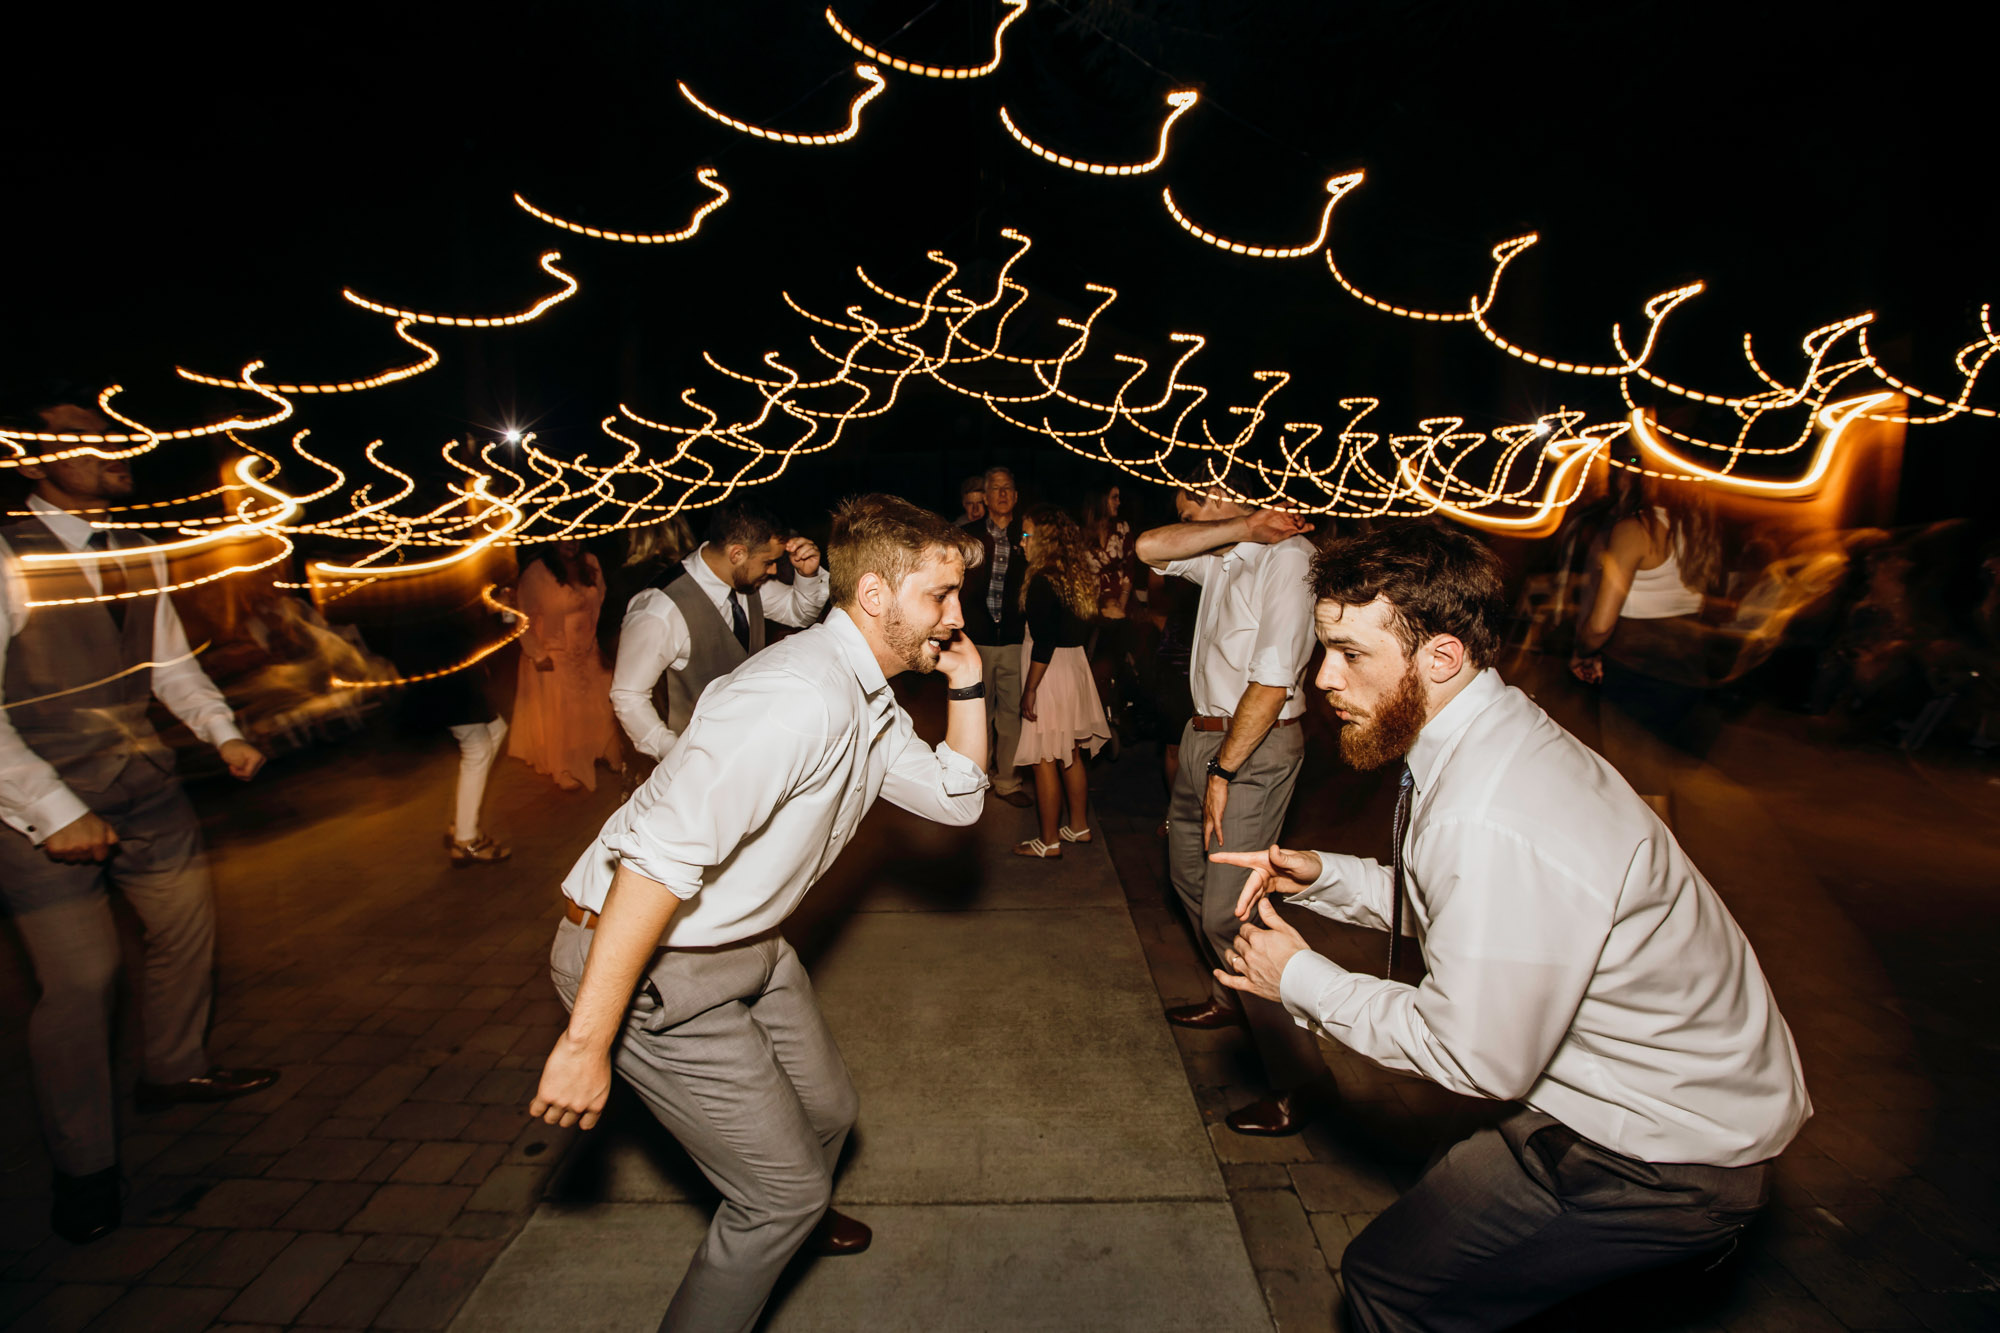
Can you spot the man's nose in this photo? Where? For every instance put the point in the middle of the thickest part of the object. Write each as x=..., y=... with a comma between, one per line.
x=1329, y=678
x=954, y=614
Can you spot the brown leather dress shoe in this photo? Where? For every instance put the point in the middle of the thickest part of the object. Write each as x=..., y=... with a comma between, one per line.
x=1272, y=1119
x=217, y=1085
x=1017, y=798
x=1208, y=1015
x=838, y=1234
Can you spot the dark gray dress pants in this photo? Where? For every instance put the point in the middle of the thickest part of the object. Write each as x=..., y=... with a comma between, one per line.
x=1521, y=1216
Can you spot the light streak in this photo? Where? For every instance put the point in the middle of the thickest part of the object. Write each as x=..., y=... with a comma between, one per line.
x=1834, y=419
x=391, y=376
x=535, y=311
x=1179, y=101
x=132, y=670
x=868, y=72
x=472, y=659
x=146, y=439
x=1015, y=8
x=707, y=176
x=1336, y=187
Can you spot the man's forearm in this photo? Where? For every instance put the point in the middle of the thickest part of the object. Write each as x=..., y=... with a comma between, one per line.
x=1184, y=541
x=635, y=916
x=1256, y=713
x=965, y=729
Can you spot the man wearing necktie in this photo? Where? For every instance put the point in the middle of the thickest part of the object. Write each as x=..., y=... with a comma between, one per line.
x=707, y=621
x=88, y=792
x=1578, y=964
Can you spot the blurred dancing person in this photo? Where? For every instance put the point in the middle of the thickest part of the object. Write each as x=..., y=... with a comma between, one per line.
x=993, y=621
x=671, y=958
x=1062, y=718
x=1578, y=964
x=89, y=796
x=563, y=722
x=1110, y=542
x=1240, y=753
x=704, y=624
x=1643, y=640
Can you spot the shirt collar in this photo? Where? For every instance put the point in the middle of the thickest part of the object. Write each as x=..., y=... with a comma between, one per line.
x=698, y=570
x=70, y=530
x=1003, y=530
x=1438, y=734
x=860, y=657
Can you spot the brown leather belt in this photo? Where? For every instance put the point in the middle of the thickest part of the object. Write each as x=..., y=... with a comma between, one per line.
x=582, y=916
x=1202, y=723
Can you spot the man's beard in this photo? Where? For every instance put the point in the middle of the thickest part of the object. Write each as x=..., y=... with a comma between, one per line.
x=908, y=642
x=1390, y=730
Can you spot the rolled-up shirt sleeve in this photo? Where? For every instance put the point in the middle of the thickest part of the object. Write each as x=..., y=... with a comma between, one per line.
x=1284, y=618
x=722, y=791
x=797, y=603
x=652, y=640
x=1194, y=569
x=936, y=782
x=1506, y=969
x=178, y=680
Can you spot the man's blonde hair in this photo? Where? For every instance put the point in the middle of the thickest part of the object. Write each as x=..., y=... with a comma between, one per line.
x=888, y=536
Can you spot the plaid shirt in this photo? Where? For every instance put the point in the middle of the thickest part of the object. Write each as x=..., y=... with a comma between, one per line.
x=996, y=579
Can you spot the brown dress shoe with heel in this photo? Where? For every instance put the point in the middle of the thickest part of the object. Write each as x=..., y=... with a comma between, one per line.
x=1273, y=1118
x=838, y=1234
x=217, y=1085
x=1208, y=1015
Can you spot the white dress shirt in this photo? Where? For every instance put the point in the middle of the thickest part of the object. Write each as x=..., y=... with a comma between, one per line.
x=1254, y=625
x=782, y=758
x=654, y=640
x=33, y=799
x=1578, y=960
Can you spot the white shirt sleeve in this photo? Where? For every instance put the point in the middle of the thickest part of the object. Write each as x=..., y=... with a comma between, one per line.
x=178, y=680
x=34, y=800
x=797, y=603
x=1349, y=889
x=937, y=783
x=1506, y=971
x=652, y=640
x=1194, y=569
x=1284, y=620
x=744, y=753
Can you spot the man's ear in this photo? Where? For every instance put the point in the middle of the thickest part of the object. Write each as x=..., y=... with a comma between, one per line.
x=871, y=594
x=736, y=552
x=1443, y=658
x=32, y=471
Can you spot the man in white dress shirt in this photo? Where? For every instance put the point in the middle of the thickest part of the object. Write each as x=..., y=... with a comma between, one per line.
x=1240, y=752
x=669, y=637
x=1578, y=964
x=670, y=958
x=89, y=796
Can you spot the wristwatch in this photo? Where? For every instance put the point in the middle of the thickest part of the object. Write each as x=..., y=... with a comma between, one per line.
x=976, y=690
x=1216, y=770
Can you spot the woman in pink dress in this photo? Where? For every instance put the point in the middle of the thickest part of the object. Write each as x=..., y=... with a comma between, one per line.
x=1062, y=718
x=563, y=722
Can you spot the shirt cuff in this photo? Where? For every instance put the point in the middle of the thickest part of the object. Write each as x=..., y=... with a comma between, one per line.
x=1303, y=986
x=1270, y=668
x=683, y=881
x=219, y=731
x=659, y=743
x=58, y=810
x=962, y=777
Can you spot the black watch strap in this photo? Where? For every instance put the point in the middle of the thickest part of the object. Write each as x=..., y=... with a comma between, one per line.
x=976, y=690
x=1216, y=770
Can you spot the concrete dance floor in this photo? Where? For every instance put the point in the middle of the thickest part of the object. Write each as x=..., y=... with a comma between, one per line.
x=1028, y=1152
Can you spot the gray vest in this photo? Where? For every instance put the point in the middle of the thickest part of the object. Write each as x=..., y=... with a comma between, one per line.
x=64, y=691
x=712, y=648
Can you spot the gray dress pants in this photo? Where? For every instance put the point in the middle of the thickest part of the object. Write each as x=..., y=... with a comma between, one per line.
x=1521, y=1216
x=728, y=1049
x=1258, y=799
x=64, y=915
x=1001, y=664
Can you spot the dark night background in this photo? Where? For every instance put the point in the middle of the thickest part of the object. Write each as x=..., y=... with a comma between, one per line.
x=195, y=184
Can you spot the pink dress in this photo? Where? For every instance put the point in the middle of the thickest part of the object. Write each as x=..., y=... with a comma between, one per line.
x=562, y=718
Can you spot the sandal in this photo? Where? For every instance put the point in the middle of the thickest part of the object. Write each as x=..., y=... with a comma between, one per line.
x=1074, y=834
x=1038, y=849
x=480, y=851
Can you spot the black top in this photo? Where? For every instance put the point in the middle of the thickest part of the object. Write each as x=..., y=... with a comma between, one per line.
x=1051, y=622
x=980, y=627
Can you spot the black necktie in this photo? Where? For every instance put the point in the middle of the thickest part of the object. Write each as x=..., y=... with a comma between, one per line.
x=112, y=576
x=738, y=624
x=1405, y=786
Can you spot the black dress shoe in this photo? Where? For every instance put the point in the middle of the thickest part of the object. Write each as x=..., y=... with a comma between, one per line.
x=1017, y=798
x=1272, y=1119
x=1208, y=1015
x=87, y=1207
x=217, y=1085
x=838, y=1234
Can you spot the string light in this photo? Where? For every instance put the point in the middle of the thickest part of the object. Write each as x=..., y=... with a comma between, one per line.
x=1179, y=101
x=146, y=439
x=707, y=176
x=1336, y=187
x=868, y=72
x=473, y=659
x=533, y=312
x=392, y=376
x=1015, y=8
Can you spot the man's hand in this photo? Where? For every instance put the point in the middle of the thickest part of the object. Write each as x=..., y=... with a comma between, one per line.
x=575, y=1085
x=1588, y=668
x=1275, y=871
x=1214, y=800
x=1259, y=956
x=805, y=557
x=1028, y=705
x=960, y=662
x=81, y=841
x=1271, y=526
x=545, y=664
x=243, y=758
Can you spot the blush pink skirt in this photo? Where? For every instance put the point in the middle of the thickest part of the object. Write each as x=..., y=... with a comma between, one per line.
x=1068, y=713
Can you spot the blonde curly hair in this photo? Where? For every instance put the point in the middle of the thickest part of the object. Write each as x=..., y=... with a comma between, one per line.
x=1062, y=556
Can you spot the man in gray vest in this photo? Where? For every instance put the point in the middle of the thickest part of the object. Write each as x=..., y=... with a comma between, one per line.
x=702, y=626
x=89, y=795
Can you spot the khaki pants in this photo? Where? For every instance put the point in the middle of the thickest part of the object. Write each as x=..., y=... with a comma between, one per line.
x=1002, y=666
